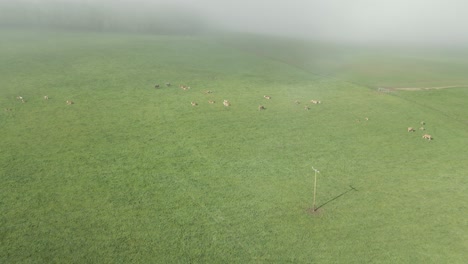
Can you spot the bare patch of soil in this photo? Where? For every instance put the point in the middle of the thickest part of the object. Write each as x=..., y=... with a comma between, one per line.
x=316, y=212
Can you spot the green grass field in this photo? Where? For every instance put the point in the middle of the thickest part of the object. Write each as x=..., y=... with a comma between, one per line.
x=134, y=174
x=373, y=66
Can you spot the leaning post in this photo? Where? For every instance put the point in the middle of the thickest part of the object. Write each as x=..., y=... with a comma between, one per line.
x=315, y=187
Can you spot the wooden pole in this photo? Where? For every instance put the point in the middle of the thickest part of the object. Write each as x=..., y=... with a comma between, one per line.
x=315, y=188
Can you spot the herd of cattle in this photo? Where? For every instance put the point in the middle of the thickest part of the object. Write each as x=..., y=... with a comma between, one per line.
x=226, y=103
x=422, y=128
x=46, y=97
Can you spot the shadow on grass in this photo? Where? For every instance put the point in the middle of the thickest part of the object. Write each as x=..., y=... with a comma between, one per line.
x=336, y=197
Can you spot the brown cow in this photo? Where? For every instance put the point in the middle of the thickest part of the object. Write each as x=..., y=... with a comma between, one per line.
x=261, y=107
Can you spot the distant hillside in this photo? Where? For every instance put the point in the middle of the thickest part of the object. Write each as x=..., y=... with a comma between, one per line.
x=373, y=66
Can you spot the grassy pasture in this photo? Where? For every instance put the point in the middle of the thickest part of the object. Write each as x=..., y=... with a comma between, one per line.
x=382, y=66
x=130, y=173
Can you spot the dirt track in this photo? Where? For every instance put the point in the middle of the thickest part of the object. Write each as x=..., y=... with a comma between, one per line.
x=426, y=88
x=421, y=88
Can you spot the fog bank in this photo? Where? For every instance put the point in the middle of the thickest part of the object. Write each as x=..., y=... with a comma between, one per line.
x=357, y=21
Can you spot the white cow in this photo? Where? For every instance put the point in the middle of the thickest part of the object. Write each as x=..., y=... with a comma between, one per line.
x=427, y=136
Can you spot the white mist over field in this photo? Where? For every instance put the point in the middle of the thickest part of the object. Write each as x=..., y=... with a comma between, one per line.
x=344, y=20
x=359, y=21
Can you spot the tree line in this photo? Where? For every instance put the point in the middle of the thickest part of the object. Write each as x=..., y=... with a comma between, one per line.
x=100, y=17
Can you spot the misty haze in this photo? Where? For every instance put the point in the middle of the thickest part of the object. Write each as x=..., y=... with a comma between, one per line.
x=362, y=21
x=204, y=131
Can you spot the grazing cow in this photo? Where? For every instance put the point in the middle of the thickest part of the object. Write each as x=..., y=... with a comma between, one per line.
x=184, y=87
x=211, y=101
x=156, y=86
x=306, y=107
x=226, y=103
x=422, y=128
x=427, y=136
x=422, y=123
x=267, y=97
x=168, y=84
x=208, y=92
x=19, y=97
x=46, y=97
x=297, y=102
x=261, y=107
x=69, y=102
x=410, y=129
x=194, y=103
x=315, y=101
